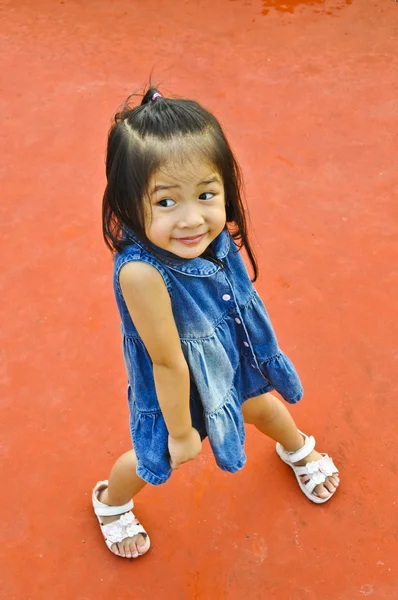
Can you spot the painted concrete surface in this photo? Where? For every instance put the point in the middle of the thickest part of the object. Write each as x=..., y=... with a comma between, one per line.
x=308, y=93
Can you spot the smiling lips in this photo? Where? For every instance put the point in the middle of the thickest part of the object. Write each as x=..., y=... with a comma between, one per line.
x=191, y=241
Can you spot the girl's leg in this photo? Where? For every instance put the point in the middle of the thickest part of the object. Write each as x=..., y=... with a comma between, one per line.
x=124, y=484
x=272, y=418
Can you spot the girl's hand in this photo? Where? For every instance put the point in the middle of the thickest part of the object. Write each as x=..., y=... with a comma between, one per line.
x=184, y=449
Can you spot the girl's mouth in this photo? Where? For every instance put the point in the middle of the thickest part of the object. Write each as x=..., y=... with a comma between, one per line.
x=191, y=241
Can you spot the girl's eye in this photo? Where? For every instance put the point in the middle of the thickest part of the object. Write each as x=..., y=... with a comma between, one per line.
x=209, y=195
x=166, y=202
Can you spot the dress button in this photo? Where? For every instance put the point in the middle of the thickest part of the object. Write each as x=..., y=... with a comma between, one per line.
x=246, y=344
x=226, y=297
x=238, y=321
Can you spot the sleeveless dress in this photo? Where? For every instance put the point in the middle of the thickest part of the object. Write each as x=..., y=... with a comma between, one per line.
x=229, y=345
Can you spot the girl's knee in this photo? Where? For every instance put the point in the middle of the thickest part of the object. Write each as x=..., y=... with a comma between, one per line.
x=260, y=409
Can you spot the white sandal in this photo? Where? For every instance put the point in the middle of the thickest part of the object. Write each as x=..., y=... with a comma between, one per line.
x=124, y=527
x=311, y=474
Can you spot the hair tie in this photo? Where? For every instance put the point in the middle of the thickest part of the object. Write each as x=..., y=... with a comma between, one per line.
x=156, y=95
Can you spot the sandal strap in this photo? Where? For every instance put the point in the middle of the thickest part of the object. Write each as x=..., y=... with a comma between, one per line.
x=317, y=470
x=310, y=486
x=309, y=445
x=125, y=527
x=104, y=510
x=113, y=511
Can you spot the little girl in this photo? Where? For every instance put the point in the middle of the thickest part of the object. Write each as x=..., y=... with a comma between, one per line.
x=200, y=351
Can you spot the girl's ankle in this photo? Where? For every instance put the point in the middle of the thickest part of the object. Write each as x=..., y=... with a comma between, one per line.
x=300, y=443
x=103, y=496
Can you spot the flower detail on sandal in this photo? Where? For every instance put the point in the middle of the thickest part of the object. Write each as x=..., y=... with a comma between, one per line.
x=128, y=519
x=114, y=532
x=321, y=469
x=125, y=527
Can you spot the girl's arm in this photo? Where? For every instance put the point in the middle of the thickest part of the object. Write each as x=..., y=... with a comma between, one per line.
x=149, y=305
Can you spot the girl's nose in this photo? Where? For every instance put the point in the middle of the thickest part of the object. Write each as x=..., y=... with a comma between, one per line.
x=191, y=219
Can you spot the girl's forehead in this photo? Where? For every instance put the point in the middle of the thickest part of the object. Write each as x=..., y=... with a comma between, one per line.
x=184, y=160
x=190, y=170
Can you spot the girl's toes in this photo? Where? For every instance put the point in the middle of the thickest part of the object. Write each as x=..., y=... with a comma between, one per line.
x=133, y=549
x=335, y=480
x=127, y=551
x=329, y=486
x=322, y=492
x=142, y=546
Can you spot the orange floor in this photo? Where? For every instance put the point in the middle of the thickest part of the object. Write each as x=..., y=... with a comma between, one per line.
x=308, y=92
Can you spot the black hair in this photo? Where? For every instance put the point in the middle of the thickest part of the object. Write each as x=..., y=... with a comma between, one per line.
x=140, y=140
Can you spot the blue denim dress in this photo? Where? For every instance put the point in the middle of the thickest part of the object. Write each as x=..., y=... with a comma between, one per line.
x=229, y=345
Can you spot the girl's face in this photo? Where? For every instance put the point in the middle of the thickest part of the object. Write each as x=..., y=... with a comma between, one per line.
x=186, y=207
